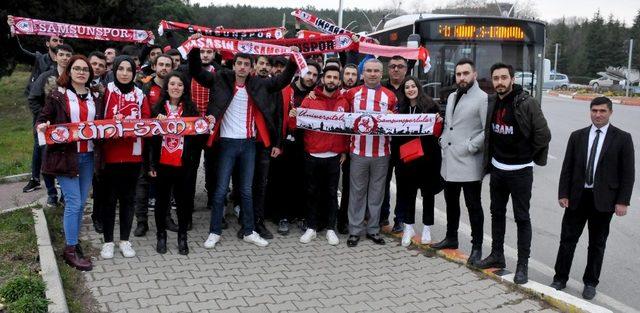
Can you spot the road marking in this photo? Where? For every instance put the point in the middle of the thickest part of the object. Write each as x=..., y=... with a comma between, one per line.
x=512, y=253
x=552, y=157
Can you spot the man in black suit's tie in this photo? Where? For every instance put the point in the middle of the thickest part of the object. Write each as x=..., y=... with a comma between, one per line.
x=596, y=181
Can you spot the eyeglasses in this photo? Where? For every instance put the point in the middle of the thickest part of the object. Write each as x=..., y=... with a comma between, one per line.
x=80, y=69
x=397, y=66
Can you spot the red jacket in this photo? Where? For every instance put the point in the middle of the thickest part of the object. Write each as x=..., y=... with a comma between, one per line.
x=320, y=142
x=133, y=105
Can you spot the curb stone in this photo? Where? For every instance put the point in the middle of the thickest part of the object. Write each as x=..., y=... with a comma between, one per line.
x=48, y=265
x=15, y=178
x=555, y=298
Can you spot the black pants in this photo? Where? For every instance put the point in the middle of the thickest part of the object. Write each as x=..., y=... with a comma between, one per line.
x=260, y=180
x=343, y=211
x=99, y=198
x=409, y=181
x=288, y=184
x=120, y=185
x=471, y=191
x=322, y=176
x=143, y=192
x=517, y=184
x=385, y=210
x=176, y=179
x=573, y=223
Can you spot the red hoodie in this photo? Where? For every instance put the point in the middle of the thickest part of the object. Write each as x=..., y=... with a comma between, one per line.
x=133, y=105
x=321, y=142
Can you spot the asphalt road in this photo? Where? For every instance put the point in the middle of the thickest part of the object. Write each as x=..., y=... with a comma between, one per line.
x=620, y=276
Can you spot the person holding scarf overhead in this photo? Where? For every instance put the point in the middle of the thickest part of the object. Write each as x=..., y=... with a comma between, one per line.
x=72, y=163
x=173, y=160
x=122, y=157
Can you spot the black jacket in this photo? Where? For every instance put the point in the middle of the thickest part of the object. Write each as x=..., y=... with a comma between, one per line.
x=531, y=121
x=222, y=85
x=41, y=87
x=615, y=169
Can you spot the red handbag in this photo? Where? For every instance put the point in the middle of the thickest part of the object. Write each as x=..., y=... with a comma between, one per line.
x=411, y=150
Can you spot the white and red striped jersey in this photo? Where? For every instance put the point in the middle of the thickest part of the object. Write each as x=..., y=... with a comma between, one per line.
x=238, y=122
x=370, y=100
x=80, y=110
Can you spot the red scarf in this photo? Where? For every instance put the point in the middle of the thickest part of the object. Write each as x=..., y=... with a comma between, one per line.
x=172, y=145
x=251, y=33
x=28, y=26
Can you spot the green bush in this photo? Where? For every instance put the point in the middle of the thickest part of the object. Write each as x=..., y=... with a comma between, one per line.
x=30, y=304
x=20, y=287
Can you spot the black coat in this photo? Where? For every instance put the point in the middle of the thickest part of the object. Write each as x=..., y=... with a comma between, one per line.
x=614, y=175
x=260, y=90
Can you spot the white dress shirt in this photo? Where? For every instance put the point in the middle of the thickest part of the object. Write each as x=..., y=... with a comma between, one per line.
x=592, y=135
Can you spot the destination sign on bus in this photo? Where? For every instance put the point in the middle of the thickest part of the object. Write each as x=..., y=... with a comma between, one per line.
x=480, y=32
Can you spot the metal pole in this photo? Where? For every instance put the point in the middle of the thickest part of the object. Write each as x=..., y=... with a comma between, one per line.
x=629, y=66
x=555, y=63
x=340, y=13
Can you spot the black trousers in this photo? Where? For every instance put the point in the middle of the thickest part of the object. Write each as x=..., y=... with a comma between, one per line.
x=260, y=181
x=99, y=198
x=385, y=210
x=287, y=186
x=144, y=187
x=120, y=186
x=176, y=179
x=343, y=211
x=322, y=176
x=409, y=179
x=471, y=191
x=516, y=184
x=573, y=222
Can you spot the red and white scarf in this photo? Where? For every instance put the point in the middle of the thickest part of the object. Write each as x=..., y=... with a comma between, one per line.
x=323, y=25
x=28, y=26
x=249, y=33
x=244, y=46
x=172, y=145
x=80, y=111
x=317, y=44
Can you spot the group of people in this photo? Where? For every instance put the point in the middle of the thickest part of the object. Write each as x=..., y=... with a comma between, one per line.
x=292, y=176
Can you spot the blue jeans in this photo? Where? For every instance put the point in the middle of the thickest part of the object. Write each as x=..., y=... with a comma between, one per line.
x=238, y=154
x=36, y=164
x=76, y=191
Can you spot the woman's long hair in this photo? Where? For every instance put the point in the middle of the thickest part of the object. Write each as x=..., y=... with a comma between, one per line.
x=188, y=107
x=424, y=103
x=65, y=78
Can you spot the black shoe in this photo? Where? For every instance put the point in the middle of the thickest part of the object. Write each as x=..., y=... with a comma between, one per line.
x=589, y=292
x=446, y=243
x=141, y=229
x=474, y=257
x=161, y=246
x=302, y=224
x=376, y=238
x=52, y=201
x=521, y=276
x=558, y=285
x=494, y=260
x=397, y=228
x=283, y=227
x=262, y=230
x=240, y=233
x=171, y=225
x=225, y=225
x=190, y=226
x=97, y=226
x=384, y=223
x=353, y=241
x=32, y=185
x=343, y=229
x=183, y=247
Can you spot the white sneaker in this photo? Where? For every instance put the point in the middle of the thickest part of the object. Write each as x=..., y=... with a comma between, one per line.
x=426, y=235
x=308, y=235
x=211, y=241
x=255, y=239
x=126, y=249
x=332, y=238
x=107, y=250
x=407, y=234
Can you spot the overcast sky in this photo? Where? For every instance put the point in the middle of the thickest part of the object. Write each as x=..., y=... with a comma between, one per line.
x=547, y=10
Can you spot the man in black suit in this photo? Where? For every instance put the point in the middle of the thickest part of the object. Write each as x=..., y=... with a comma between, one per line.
x=596, y=181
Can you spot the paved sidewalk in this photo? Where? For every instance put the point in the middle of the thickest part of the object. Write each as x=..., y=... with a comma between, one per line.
x=290, y=276
x=11, y=195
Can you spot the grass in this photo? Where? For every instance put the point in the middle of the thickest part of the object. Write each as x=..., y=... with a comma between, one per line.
x=79, y=297
x=21, y=286
x=16, y=139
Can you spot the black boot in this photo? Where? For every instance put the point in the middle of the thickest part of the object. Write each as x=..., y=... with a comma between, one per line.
x=446, y=243
x=475, y=256
x=161, y=246
x=171, y=225
x=183, y=247
x=521, y=276
x=141, y=229
x=494, y=260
